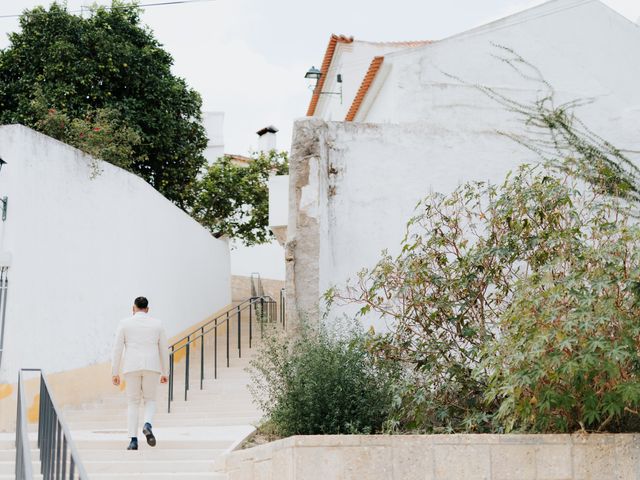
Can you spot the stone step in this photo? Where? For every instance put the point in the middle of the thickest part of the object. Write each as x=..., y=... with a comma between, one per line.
x=171, y=422
x=151, y=454
x=11, y=444
x=36, y=476
x=157, y=476
x=130, y=465
x=163, y=445
x=9, y=467
x=177, y=407
x=191, y=405
x=117, y=415
x=193, y=400
x=7, y=455
x=209, y=387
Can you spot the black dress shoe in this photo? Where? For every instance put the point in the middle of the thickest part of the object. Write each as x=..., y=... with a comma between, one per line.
x=151, y=440
x=133, y=445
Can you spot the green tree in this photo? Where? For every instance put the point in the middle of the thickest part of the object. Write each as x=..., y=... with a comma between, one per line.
x=233, y=199
x=68, y=76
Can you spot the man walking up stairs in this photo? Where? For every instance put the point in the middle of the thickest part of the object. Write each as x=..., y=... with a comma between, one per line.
x=190, y=438
x=146, y=360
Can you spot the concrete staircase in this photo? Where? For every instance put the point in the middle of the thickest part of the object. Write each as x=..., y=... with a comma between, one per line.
x=190, y=438
x=8, y=457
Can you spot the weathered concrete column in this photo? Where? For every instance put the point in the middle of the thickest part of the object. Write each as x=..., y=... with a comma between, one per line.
x=302, y=249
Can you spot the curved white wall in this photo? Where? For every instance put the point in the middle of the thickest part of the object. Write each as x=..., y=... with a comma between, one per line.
x=82, y=249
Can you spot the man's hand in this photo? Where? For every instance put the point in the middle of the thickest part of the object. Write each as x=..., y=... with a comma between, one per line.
x=164, y=379
x=115, y=380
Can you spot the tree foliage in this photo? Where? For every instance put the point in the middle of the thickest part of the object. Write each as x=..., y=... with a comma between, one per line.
x=68, y=76
x=233, y=199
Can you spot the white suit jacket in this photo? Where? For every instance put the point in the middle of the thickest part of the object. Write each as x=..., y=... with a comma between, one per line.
x=144, y=343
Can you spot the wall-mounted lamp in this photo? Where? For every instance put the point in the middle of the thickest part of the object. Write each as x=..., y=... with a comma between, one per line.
x=314, y=74
x=5, y=199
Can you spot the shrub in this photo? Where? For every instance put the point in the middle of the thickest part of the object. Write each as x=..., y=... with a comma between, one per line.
x=567, y=357
x=515, y=307
x=321, y=380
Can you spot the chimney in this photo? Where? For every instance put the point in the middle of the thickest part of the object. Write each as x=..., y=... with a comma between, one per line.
x=267, y=138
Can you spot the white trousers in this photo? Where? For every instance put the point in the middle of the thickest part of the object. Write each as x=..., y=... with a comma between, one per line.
x=141, y=385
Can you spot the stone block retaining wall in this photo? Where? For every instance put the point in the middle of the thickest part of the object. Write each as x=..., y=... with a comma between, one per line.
x=439, y=457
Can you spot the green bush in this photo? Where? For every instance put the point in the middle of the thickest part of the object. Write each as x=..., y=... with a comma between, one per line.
x=322, y=380
x=567, y=357
x=516, y=307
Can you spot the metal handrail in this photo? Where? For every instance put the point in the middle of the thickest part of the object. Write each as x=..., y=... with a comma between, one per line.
x=24, y=467
x=283, y=307
x=59, y=457
x=185, y=342
x=210, y=322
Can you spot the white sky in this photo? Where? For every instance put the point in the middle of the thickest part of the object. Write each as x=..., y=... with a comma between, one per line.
x=248, y=57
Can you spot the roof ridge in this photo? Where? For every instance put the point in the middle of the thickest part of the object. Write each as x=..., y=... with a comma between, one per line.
x=409, y=43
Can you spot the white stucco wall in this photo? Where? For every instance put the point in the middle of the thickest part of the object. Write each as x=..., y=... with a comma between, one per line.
x=266, y=259
x=213, y=123
x=82, y=249
x=584, y=49
x=278, y=200
x=380, y=173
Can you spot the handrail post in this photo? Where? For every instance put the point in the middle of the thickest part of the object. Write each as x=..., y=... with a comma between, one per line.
x=239, y=334
x=201, y=357
x=261, y=317
x=58, y=446
x=215, y=351
x=250, y=322
x=44, y=444
x=64, y=457
x=23, y=465
x=170, y=386
x=186, y=369
x=40, y=417
x=227, y=339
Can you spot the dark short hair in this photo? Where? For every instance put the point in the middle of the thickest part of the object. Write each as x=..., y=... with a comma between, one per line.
x=141, y=303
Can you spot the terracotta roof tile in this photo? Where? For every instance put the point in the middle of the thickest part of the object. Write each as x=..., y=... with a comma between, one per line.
x=376, y=63
x=326, y=63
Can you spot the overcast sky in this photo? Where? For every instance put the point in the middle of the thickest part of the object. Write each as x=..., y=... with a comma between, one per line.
x=248, y=57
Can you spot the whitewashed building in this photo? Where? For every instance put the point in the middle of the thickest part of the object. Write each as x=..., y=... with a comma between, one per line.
x=419, y=123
